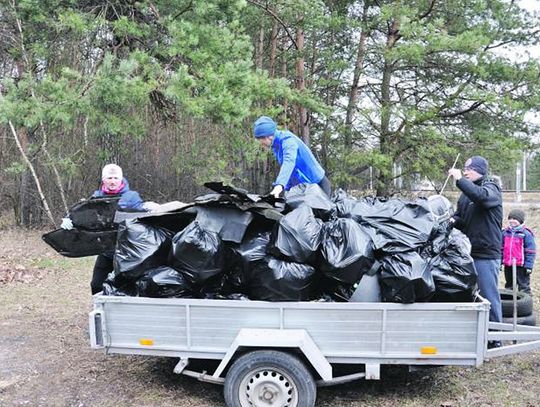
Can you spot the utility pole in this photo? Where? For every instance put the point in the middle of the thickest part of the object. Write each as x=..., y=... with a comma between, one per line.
x=518, y=182
x=524, y=171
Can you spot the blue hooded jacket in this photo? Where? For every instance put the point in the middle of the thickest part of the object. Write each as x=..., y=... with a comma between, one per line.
x=298, y=164
x=128, y=199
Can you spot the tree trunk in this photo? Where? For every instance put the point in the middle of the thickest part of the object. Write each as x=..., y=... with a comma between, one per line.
x=284, y=71
x=273, y=49
x=386, y=136
x=358, y=69
x=303, y=125
x=260, y=48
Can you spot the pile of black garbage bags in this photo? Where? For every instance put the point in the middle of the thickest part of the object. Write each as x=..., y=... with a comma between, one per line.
x=234, y=245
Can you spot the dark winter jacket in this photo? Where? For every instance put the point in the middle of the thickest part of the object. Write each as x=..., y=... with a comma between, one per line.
x=129, y=199
x=479, y=215
x=518, y=243
x=298, y=164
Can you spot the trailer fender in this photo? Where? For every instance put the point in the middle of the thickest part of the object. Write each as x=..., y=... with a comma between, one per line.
x=278, y=338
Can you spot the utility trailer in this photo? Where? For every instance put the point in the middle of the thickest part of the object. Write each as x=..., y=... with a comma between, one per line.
x=277, y=353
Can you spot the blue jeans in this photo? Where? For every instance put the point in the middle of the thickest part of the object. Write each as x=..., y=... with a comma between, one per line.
x=488, y=283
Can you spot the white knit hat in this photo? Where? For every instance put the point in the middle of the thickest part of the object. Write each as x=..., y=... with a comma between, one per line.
x=111, y=171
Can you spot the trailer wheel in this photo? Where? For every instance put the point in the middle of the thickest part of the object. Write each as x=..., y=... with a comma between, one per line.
x=269, y=378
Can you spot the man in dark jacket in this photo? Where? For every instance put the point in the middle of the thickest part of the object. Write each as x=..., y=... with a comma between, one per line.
x=479, y=215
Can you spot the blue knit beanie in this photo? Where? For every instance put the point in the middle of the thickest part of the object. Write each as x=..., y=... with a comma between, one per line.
x=478, y=164
x=264, y=127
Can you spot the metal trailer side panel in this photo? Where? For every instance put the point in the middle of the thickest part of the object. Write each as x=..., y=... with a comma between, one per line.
x=344, y=332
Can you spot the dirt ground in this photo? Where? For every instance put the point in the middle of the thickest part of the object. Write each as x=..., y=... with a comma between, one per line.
x=46, y=360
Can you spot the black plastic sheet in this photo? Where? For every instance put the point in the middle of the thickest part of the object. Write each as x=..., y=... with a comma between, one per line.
x=163, y=282
x=80, y=243
x=297, y=237
x=229, y=223
x=277, y=280
x=346, y=250
x=398, y=226
x=139, y=247
x=453, y=270
x=197, y=253
x=311, y=195
x=406, y=278
x=94, y=214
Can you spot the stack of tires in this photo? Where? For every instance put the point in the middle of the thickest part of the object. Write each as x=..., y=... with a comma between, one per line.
x=525, y=314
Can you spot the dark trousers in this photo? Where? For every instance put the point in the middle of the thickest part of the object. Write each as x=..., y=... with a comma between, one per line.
x=326, y=186
x=102, y=268
x=523, y=279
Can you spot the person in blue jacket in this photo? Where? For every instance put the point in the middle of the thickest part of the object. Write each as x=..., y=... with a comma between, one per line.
x=113, y=184
x=297, y=163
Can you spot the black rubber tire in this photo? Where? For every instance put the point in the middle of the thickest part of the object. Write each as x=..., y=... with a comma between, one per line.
x=529, y=320
x=524, y=303
x=282, y=371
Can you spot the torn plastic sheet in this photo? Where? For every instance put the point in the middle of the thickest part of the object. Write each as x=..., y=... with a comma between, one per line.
x=298, y=236
x=347, y=250
x=80, y=243
x=197, y=253
x=140, y=247
x=241, y=193
x=229, y=223
x=406, y=278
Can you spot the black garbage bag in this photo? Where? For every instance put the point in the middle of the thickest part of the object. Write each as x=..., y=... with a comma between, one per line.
x=233, y=296
x=139, y=248
x=346, y=249
x=397, y=226
x=344, y=203
x=311, y=195
x=252, y=249
x=441, y=208
x=119, y=287
x=453, y=271
x=347, y=206
x=335, y=291
x=406, y=278
x=297, y=237
x=277, y=280
x=197, y=253
x=163, y=282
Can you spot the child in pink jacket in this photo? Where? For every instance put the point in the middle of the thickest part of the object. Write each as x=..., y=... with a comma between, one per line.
x=518, y=243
